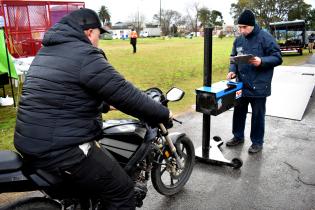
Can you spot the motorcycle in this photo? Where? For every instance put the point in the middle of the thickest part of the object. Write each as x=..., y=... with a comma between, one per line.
x=140, y=149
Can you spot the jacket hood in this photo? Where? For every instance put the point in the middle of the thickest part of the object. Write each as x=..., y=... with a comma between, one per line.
x=66, y=30
x=254, y=32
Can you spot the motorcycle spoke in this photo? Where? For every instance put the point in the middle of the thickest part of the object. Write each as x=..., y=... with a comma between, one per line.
x=172, y=181
x=184, y=156
x=163, y=170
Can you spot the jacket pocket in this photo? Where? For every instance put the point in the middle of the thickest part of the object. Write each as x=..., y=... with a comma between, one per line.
x=261, y=89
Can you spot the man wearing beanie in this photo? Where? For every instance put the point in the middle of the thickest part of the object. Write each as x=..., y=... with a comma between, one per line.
x=59, y=120
x=256, y=76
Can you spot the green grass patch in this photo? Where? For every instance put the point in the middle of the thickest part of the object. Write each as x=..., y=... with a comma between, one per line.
x=7, y=119
x=294, y=59
x=162, y=63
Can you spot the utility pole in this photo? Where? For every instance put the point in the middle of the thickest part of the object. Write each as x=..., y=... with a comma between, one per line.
x=196, y=25
x=161, y=17
x=138, y=28
x=138, y=31
x=160, y=13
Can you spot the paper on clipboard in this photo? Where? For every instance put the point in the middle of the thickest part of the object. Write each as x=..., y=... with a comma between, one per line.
x=241, y=59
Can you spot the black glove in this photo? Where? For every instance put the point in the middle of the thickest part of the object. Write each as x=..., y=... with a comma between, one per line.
x=105, y=107
x=169, y=123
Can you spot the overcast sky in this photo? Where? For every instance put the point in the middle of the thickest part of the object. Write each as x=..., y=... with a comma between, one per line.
x=122, y=10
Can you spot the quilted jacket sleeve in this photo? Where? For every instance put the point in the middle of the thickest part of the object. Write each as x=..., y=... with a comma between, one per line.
x=100, y=77
x=272, y=52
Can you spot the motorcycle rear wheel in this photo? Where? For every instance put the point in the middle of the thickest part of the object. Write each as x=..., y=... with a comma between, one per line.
x=169, y=184
x=36, y=203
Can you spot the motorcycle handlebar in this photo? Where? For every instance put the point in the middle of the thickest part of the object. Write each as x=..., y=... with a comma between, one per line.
x=180, y=122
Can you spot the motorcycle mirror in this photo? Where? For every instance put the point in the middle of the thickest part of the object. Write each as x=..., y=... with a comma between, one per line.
x=175, y=94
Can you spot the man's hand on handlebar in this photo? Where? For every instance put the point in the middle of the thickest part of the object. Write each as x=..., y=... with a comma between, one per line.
x=169, y=123
x=170, y=115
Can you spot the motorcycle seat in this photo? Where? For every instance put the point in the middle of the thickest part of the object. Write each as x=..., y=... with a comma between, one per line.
x=10, y=161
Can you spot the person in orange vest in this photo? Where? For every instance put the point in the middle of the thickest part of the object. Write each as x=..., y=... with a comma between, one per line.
x=133, y=40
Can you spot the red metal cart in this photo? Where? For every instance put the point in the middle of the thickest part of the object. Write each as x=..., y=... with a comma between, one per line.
x=26, y=21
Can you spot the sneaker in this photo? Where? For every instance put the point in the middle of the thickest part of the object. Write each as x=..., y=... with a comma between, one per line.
x=234, y=141
x=254, y=148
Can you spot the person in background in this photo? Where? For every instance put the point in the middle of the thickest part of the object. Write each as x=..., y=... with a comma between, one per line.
x=68, y=86
x=311, y=39
x=133, y=40
x=256, y=76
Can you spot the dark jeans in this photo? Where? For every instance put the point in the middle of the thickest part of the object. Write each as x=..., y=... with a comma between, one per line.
x=133, y=42
x=134, y=48
x=258, y=119
x=100, y=176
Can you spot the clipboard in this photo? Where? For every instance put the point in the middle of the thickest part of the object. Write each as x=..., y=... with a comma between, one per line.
x=241, y=59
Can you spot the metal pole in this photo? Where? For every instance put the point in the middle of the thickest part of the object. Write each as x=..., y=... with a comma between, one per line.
x=9, y=68
x=207, y=69
x=138, y=31
x=210, y=151
x=196, y=28
x=160, y=13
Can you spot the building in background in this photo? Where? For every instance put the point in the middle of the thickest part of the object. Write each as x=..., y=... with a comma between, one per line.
x=121, y=30
x=151, y=30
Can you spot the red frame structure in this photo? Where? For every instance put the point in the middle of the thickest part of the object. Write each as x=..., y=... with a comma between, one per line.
x=26, y=21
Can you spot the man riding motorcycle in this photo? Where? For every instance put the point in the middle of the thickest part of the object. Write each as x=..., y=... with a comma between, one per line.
x=59, y=118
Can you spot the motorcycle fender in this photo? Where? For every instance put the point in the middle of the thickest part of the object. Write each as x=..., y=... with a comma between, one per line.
x=175, y=139
x=175, y=136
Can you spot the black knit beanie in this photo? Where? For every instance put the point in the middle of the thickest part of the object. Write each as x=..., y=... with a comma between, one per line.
x=247, y=18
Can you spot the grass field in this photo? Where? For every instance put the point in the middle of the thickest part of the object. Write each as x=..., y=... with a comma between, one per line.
x=162, y=63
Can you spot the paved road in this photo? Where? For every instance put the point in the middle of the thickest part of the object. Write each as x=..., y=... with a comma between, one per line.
x=281, y=177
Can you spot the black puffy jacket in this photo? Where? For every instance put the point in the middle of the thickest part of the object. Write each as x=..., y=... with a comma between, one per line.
x=64, y=90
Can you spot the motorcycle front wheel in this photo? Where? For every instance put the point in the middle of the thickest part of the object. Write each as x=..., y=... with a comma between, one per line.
x=166, y=177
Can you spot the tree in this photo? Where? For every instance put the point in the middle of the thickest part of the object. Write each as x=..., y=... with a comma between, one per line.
x=210, y=18
x=311, y=20
x=216, y=18
x=237, y=8
x=168, y=19
x=204, y=16
x=174, y=30
x=267, y=11
x=300, y=11
x=192, y=17
x=137, y=21
x=104, y=15
x=221, y=34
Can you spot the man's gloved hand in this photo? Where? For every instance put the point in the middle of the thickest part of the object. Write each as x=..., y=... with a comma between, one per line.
x=169, y=123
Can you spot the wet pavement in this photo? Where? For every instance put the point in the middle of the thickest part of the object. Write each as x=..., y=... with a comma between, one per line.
x=282, y=176
x=310, y=62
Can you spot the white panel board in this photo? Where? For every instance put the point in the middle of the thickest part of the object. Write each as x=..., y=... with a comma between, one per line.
x=292, y=87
